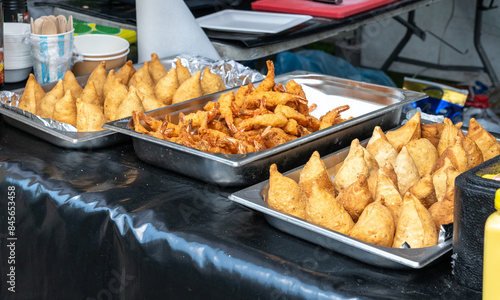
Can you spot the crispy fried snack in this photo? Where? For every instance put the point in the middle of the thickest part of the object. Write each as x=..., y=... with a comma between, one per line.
x=211, y=83
x=142, y=75
x=442, y=211
x=444, y=178
x=375, y=226
x=89, y=116
x=285, y=194
x=485, y=141
x=424, y=154
x=98, y=78
x=129, y=104
x=247, y=120
x=183, y=72
x=472, y=150
x=89, y=94
x=410, y=131
x=356, y=197
x=416, y=226
x=32, y=95
x=188, y=89
x=406, y=169
x=65, y=109
x=70, y=83
x=353, y=167
x=371, y=162
x=156, y=69
x=388, y=170
x=380, y=147
x=47, y=103
x=126, y=72
x=148, y=99
x=424, y=191
x=323, y=209
x=447, y=139
x=315, y=171
x=456, y=154
x=388, y=195
x=166, y=87
x=116, y=94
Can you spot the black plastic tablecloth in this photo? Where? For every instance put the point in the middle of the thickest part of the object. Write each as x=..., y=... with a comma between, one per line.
x=101, y=224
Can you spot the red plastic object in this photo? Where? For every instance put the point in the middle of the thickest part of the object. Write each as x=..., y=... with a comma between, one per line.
x=480, y=101
x=317, y=9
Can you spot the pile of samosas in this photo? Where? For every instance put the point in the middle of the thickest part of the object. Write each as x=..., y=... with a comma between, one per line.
x=395, y=192
x=250, y=119
x=109, y=96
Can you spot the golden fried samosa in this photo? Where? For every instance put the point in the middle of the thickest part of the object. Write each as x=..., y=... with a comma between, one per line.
x=353, y=166
x=142, y=75
x=149, y=101
x=183, y=72
x=485, y=141
x=424, y=191
x=32, y=95
x=89, y=94
x=126, y=72
x=371, y=162
x=166, y=87
x=388, y=195
x=472, y=150
x=285, y=194
x=416, y=226
x=129, y=104
x=356, y=197
x=424, y=154
x=323, y=209
x=432, y=132
x=456, y=154
x=189, y=89
x=408, y=132
x=447, y=139
x=406, y=169
x=65, y=109
x=375, y=226
x=211, y=83
x=315, y=170
x=47, y=103
x=116, y=94
x=156, y=69
x=89, y=116
x=380, y=147
x=388, y=169
x=444, y=178
x=98, y=77
x=108, y=83
x=70, y=83
x=443, y=211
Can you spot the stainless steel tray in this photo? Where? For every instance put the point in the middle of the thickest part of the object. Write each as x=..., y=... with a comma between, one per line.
x=247, y=169
x=233, y=73
x=255, y=197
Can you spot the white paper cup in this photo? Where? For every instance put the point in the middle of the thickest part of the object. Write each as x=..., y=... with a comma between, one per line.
x=52, y=56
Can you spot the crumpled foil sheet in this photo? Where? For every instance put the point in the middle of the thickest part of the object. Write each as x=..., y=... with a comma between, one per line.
x=233, y=73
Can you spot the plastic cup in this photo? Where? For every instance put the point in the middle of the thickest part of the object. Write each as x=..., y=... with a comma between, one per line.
x=52, y=56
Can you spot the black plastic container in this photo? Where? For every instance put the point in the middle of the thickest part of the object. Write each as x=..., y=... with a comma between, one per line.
x=15, y=11
x=474, y=203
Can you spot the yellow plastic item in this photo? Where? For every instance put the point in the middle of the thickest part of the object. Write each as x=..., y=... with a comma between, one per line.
x=82, y=27
x=491, y=259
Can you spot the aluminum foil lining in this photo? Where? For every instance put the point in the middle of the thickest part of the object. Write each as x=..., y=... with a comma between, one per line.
x=233, y=73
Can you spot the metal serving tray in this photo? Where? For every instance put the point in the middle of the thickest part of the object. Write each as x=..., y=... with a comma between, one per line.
x=250, y=168
x=255, y=197
x=59, y=137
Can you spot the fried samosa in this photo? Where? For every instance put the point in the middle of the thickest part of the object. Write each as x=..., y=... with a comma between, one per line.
x=356, y=197
x=32, y=95
x=408, y=132
x=375, y=226
x=47, y=103
x=415, y=226
x=285, y=194
x=323, y=209
x=130, y=103
x=406, y=170
x=126, y=72
x=211, y=83
x=65, y=109
x=183, y=72
x=447, y=139
x=380, y=147
x=388, y=195
x=70, y=83
x=189, y=89
x=315, y=170
x=89, y=116
x=166, y=87
x=424, y=191
x=118, y=91
x=388, y=170
x=98, y=78
x=142, y=75
x=424, y=154
x=485, y=141
x=156, y=69
x=353, y=166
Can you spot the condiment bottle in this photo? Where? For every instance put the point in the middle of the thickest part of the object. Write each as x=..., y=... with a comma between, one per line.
x=491, y=259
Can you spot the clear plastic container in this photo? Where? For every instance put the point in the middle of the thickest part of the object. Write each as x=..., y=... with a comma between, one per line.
x=491, y=259
x=480, y=110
